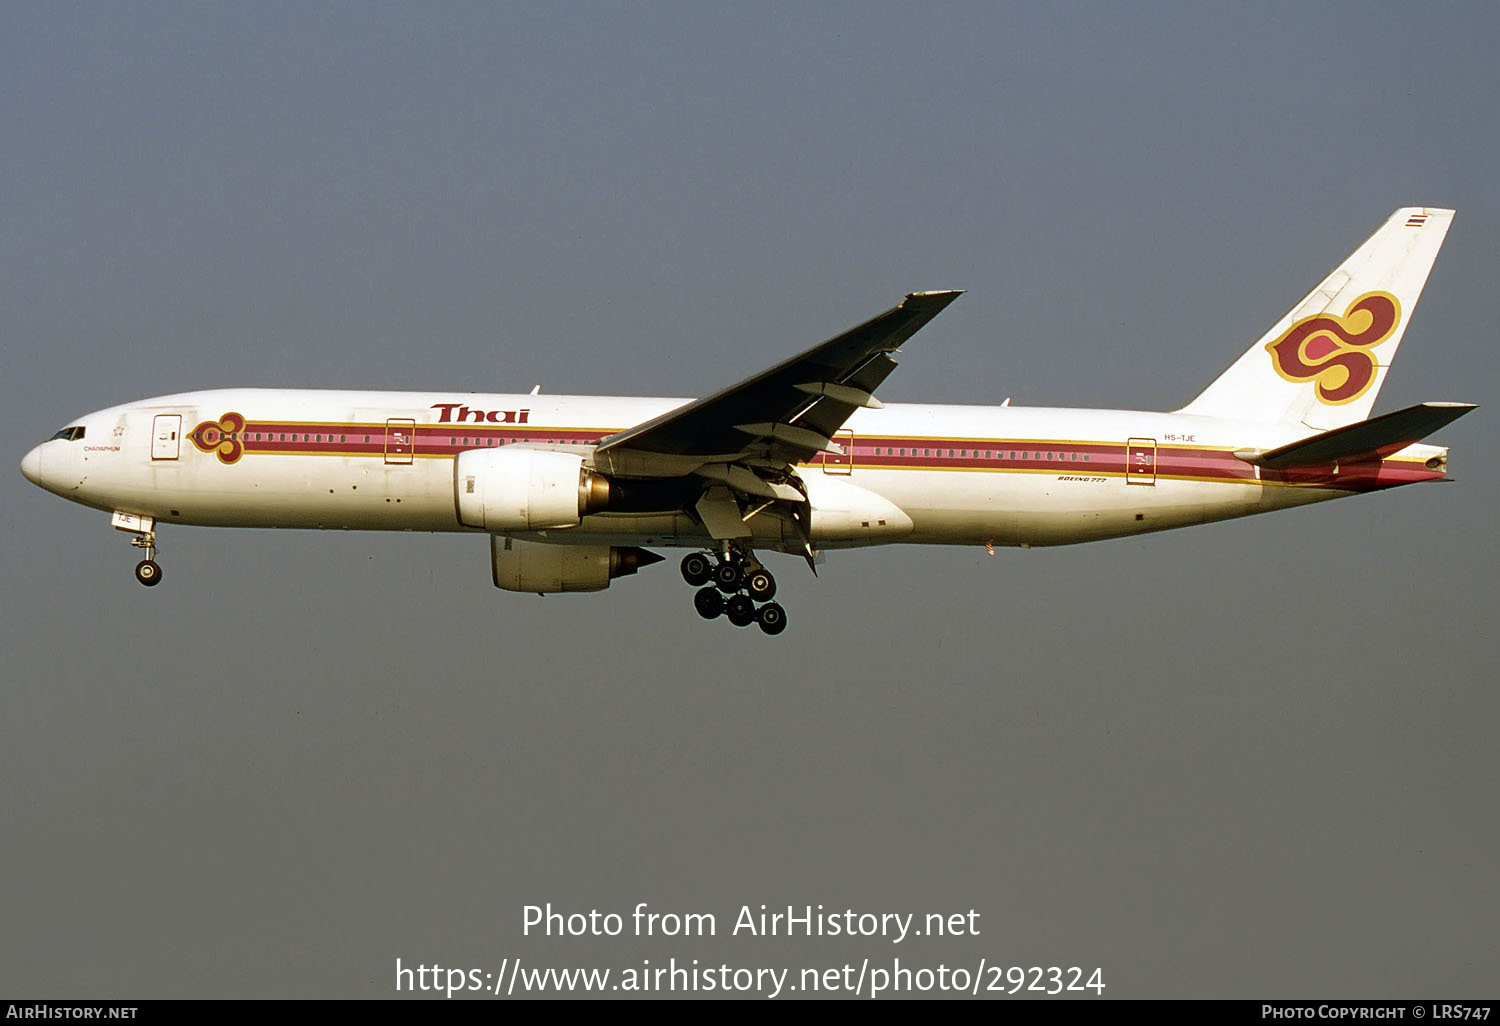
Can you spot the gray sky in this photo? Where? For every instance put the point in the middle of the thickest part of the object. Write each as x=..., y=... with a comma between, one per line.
x=1243, y=760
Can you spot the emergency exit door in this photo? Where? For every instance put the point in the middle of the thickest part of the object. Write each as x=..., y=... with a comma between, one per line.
x=166, y=436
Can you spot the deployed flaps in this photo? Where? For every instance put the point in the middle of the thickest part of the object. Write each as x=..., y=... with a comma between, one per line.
x=800, y=437
x=747, y=482
x=841, y=393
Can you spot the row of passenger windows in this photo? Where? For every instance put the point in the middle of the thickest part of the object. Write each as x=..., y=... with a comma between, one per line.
x=272, y=436
x=989, y=454
x=491, y=441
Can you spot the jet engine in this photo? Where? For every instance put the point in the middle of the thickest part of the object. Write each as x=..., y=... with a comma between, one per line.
x=545, y=569
x=519, y=489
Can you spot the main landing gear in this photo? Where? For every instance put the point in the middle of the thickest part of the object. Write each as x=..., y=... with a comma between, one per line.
x=738, y=582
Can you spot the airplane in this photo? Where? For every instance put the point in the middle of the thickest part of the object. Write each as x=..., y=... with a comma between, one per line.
x=573, y=491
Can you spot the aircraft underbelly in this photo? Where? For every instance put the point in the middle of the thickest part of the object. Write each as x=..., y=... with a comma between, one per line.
x=292, y=491
x=979, y=508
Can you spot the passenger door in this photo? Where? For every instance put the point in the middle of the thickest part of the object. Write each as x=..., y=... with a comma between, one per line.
x=400, y=439
x=166, y=436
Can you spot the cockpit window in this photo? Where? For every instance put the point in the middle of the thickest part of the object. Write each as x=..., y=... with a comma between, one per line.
x=70, y=434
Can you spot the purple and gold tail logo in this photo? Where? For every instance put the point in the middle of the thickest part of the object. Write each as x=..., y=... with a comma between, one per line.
x=221, y=436
x=1335, y=352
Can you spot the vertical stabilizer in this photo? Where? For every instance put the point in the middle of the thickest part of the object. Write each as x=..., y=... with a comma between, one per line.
x=1323, y=363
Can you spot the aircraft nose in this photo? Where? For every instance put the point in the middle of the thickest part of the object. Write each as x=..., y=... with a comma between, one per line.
x=31, y=465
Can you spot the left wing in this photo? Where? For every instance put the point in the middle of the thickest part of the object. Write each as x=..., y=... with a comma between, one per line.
x=743, y=444
x=785, y=414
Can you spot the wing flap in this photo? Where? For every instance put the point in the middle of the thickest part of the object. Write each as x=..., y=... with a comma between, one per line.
x=720, y=514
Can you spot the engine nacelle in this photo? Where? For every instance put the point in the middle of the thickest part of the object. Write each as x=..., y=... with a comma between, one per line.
x=544, y=569
x=519, y=489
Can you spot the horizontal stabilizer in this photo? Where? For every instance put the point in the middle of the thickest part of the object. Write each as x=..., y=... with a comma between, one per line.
x=1371, y=439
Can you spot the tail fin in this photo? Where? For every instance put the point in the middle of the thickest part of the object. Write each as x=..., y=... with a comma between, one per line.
x=1323, y=363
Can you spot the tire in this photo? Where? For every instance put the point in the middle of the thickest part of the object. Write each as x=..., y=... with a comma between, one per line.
x=709, y=603
x=148, y=573
x=761, y=585
x=727, y=576
x=741, y=610
x=697, y=569
x=772, y=618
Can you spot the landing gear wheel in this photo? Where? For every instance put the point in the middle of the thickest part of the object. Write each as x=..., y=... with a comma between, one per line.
x=760, y=584
x=709, y=603
x=697, y=568
x=727, y=576
x=148, y=573
x=772, y=618
x=741, y=611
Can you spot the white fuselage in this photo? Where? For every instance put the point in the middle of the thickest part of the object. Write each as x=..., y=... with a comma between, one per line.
x=984, y=475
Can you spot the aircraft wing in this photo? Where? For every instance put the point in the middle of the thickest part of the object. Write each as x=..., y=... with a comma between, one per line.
x=783, y=415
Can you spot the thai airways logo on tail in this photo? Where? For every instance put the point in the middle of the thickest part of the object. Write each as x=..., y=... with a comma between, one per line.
x=1335, y=352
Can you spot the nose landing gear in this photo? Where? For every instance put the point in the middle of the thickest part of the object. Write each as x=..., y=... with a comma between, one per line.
x=738, y=582
x=147, y=571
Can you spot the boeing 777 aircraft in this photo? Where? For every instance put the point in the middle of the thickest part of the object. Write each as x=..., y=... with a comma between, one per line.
x=800, y=458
